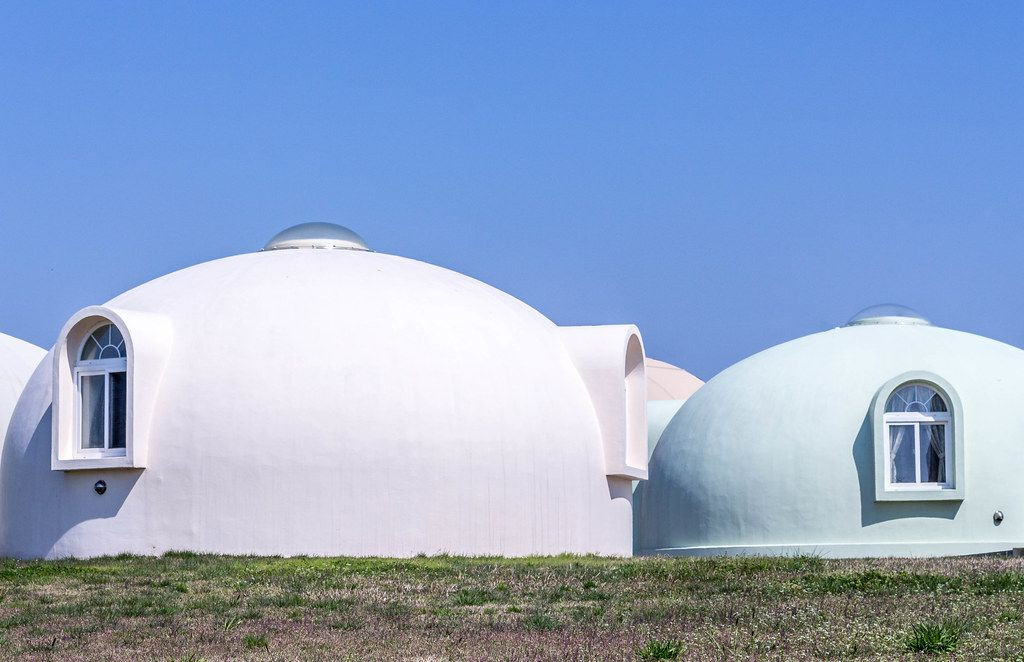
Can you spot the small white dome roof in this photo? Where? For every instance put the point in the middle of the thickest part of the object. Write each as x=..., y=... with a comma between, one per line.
x=334, y=402
x=775, y=455
x=668, y=382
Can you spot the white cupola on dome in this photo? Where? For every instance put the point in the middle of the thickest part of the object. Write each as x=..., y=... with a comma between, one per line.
x=326, y=402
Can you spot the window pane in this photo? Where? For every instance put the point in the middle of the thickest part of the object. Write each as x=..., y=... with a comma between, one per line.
x=105, y=342
x=933, y=453
x=901, y=453
x=92, y=347
x=118, y=404
x=115, y=339
x=915, y=398
x=92, y=410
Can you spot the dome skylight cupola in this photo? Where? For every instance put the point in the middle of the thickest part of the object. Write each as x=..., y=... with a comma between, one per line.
x=317, y=235
x=888, y=313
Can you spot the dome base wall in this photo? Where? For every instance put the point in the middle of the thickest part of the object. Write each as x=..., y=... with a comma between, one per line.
x=845, y=550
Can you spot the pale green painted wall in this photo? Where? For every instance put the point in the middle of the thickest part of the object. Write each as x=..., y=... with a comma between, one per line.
x=659, y=415
x=776, y=454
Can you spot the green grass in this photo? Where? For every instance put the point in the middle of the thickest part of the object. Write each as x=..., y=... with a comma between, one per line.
x=661, y=650
x=192, y=606
x=1010, y=615
x=474, y=596
x=934, y=637
x=539, y=620
x=251, y=641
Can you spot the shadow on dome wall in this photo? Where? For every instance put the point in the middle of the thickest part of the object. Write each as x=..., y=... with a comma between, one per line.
x=86, y=504
x=620, y=488
x=874, y=512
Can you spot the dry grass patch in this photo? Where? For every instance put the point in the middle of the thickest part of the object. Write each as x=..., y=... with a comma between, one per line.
x=189, y=607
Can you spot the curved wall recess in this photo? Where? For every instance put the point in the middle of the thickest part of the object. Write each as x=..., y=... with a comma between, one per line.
x=610, y=359
x=147, y=340
x=956, y=465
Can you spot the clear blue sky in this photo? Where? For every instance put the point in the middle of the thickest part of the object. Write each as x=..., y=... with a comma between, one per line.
x=728, y=176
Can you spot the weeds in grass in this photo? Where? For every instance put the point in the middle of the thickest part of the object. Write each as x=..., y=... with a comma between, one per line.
x=253, y=641
x=592, y=595
x=345, y=625
x=391, y=610
x=539, y=620
x=934, y=637
x=876, y=582
x=287, y=600
x=180, y=554
x=334, y=604
x=494, y=608
x=474, y=596
x=998, y=582
x=661, y=650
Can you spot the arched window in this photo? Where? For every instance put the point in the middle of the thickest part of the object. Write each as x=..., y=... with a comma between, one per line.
x=101, y=377
x=919, y=438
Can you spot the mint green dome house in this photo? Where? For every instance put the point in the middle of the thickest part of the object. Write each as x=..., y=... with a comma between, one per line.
x=886, y=437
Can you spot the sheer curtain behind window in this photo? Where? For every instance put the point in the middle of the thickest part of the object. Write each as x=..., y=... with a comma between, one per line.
x=897, y=434
x=937, y=442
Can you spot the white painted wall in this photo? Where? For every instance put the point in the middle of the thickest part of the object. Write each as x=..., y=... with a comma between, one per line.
x=18, y=359
x=333, y=402
x=611, y=361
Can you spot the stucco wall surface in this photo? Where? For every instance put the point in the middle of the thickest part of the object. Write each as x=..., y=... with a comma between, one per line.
x=333, y=402
x=18, y=360
x=776, y=454
x=659, y=414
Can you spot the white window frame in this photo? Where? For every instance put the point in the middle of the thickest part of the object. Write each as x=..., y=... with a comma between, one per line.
x=94, y=368
x=148, y=342
x=954, y=489
x=917, y=420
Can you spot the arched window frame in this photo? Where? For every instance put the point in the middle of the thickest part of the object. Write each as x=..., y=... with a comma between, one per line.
x=147, y=339
x=953, y=487
x=111, y=369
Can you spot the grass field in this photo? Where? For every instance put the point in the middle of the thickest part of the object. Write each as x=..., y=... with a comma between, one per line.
x=188, y=607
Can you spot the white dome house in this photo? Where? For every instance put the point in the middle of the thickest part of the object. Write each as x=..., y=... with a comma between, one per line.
x=18, y=360
x=886, y=437
x=320, y=398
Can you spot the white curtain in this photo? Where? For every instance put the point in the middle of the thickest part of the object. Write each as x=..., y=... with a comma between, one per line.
x=896, y=434
x=937, y=441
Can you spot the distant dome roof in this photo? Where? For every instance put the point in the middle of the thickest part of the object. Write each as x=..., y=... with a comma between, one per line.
x=888, y=313
x=668, y=382
x=317, y=235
